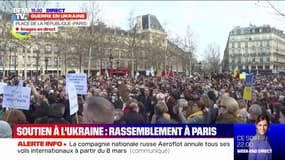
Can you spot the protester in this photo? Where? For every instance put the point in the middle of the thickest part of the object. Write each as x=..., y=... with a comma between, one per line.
x=5, y=130
x=134, y=116
x=161, y=115
x=98, y=110
x=228, y=111
x=243, y=114
x=55, y=115
x=146, y=99
x=147, y=92
x=14, y=116
x=197, y=113
x=254, y=110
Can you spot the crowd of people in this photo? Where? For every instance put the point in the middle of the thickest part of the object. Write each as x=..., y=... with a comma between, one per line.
x=210, y=99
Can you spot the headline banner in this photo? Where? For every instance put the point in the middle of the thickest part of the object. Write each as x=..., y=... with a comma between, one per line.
x=122, y=131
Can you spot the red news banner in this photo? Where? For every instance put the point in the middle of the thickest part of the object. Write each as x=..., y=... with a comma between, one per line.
x=58, y=16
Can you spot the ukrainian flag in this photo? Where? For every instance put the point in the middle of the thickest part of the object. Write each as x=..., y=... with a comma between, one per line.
x=235, y=70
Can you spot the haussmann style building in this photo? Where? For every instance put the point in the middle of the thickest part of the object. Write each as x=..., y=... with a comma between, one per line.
x=92, y=49
x=257, y=49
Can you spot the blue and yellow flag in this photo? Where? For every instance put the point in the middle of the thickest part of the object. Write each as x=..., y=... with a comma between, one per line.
x=235, y=70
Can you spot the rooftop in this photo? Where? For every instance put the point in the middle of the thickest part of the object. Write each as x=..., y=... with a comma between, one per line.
x=252, y=29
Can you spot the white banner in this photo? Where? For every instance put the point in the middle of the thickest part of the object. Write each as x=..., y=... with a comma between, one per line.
x=79, y=80
x=72, y=95
x=73, y=23
x=16, y=97
x=118, y=149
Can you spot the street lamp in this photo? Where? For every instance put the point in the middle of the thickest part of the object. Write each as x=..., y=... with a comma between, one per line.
x=118, y=68
x=111, y=60
x=111, y=63
x=37, y=65
x=2, y=64
x=15, y=62
x=10, y=62
x=46, y=62
x=57, y=70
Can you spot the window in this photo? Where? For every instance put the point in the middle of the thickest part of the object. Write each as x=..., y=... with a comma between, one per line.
x=13, y=60
x=47, y=49
x=239, y=60
x=259, y=50
x=145, y=22
x=56, y=49
x=263, y=50
x=35, y=49
x=73, y=49
x=34, y=61
x=253, y=59
x=267, y=67
x=49, y=61
x=246, y=44
x=267, y=43
x=2, y=46
x=238, y=31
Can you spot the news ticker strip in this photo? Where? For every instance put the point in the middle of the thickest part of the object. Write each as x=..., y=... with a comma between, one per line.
x=121, y=131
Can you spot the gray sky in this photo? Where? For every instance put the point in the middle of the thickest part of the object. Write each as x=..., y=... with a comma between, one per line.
x=211, y=21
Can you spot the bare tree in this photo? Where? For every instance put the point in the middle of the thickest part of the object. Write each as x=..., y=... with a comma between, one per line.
x=213, y=57
x=189, y=46
x=132, y=39
x=94, y=13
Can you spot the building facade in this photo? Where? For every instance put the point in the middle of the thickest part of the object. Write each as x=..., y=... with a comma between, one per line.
x=258, y=49
x=83, y=50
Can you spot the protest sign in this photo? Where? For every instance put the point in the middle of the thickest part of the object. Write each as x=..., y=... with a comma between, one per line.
x=21, y=83
x=247, y=93
x=242, y=76
x=16, y=97
x=72, y=95
x=2, y=87
x=79, y=80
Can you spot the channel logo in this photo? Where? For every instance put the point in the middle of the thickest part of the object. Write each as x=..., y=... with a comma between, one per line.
x=15, y=31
